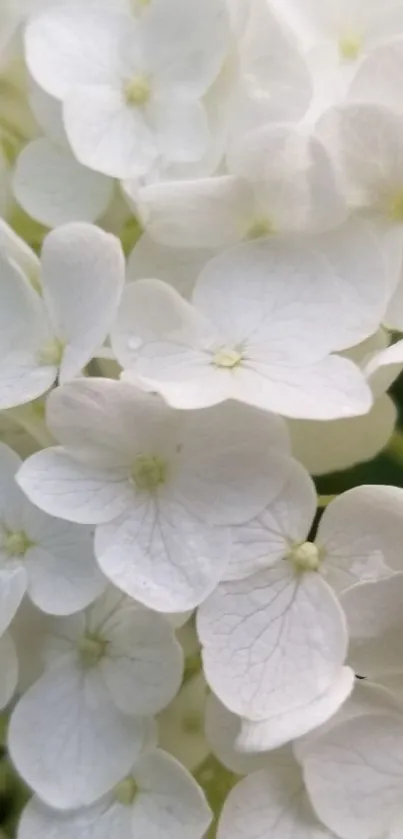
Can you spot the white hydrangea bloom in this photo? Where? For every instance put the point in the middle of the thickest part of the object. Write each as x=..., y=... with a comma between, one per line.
x=278, y=181
x=131, y=89
x=8, y=669
x=274, y=353
x=158, y=799
x=108, y=669
x=162, y=486
x=337, y=35
x=51, y=331
x=276, y=622
x=51, y=560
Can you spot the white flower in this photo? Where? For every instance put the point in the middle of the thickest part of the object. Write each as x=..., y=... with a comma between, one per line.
x=158, y=799
x=162, y=485
x=131, y=89
x=354, y=775
x=51, y=560
x=278, y=181
x=274, y=636
x=54, y=331
x=264, y=320
x=337, y=35
x=48, y=182
x=108, y=669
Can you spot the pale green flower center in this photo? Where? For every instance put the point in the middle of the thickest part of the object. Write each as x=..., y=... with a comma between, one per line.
x=51, y=353
x=91, y=649
x=149, y=471
x=126, y=791
x=260, y=227
x=17, y=543
x=227, y=358
x=137, y=91
x=350, y=46
x=305, y=557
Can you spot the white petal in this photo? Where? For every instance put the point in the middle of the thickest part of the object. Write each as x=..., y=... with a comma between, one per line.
x=83, y=276
x=69, y=742
x=67, y=489
x=151, y=313
x=181, y=127
x=354, y=775
x=286, y=520
x=107, y=819
x=374, y=619
x=263, y=635
x=107, y=135
x=144, y=663
x=13, y=585
x=48, y=114
x=66, y=47
x=63, y=576
x=54, y=189
x=271, y=802
x=206, y=213
x=163, y=555
x=188, y=45
x=330, y=389
x=8, y=669
x=325, y=447
x=260, y=737
x=378, y=78
x=384, y=367
x=15, y=249
x=361, y=533
x=24, y=330
x=170, y=804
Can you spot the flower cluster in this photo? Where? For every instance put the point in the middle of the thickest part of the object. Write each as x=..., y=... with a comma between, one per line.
x=201, y=303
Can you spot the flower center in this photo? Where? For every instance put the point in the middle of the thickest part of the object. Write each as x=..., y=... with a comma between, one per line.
x=91, y=649
x=17, y=543
x=305, y=557
x=149, y=471
x=126, y=791
x=137, y=91
x=227, y=358
x=350, y=46
x=51, y=353
x=260, y=227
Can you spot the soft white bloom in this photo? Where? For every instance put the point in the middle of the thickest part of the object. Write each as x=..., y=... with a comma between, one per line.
x=178, y=267
x=354, y=776
x=131, y=89
x=278, y=181
x=274, y=635
x=264, y=320
x=52, y=561
x=107, y=668
x=161, y=485
x=158, y=799
x=48, y=182
x=337, y=35
x=52, y=330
